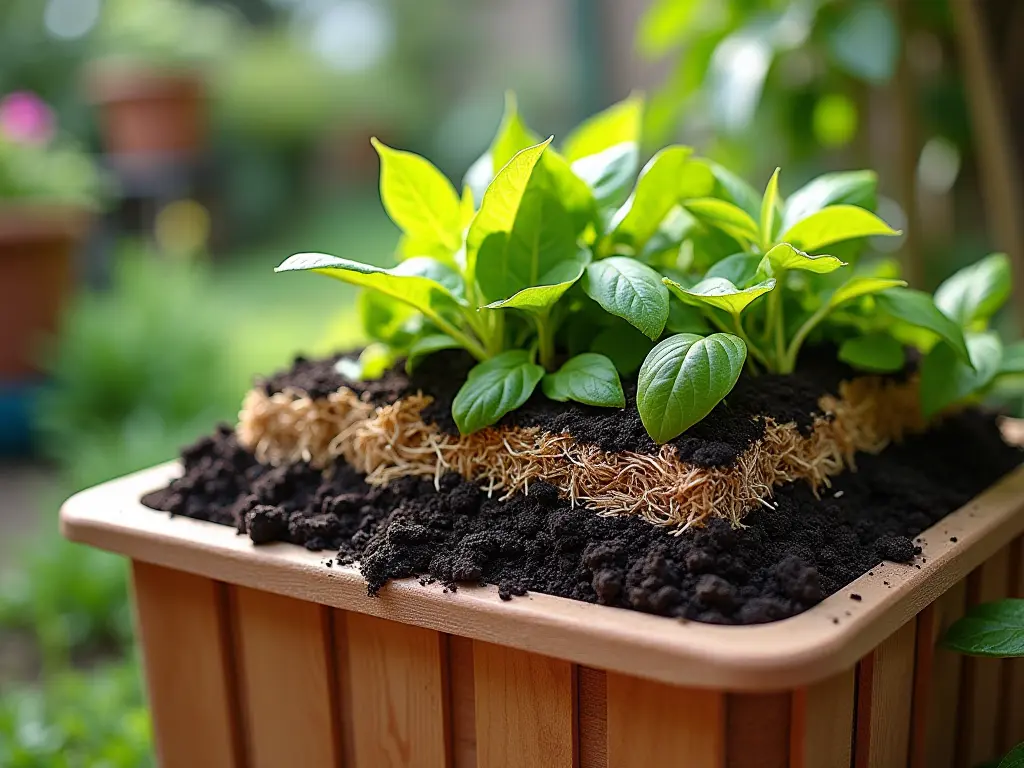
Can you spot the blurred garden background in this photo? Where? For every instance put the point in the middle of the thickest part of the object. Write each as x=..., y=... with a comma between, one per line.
x=170, y=153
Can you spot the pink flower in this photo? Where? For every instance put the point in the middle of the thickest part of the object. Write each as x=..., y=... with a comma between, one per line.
x=24, y=117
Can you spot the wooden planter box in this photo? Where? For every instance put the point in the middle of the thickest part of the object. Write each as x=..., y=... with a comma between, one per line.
x=264, y=656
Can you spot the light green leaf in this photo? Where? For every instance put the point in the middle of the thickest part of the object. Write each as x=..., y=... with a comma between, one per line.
x=739, y=269
x=719, y=293
x=856, y=287
x=609, y=173
x=540, y=298
x=684, y=378
x=876, y=353
x=624, y=345
x=494, y=388
x=769, y=203
x=733, y=189
x=835, y=224
x=1013, y=359
x=419, y=198
x=589, y=378
x=630, y=290
x=664, y=25
x=374, y=361
x=947, y=380
x=501, y=203
x=976, y=292
x=386, y=320
x=990, y=629
x=845, y=187
x=512, y=137
x=729, y=218
x=785, y=256
x=426, y=346
x=619, y=124
x=478, y=176
x=917, y=308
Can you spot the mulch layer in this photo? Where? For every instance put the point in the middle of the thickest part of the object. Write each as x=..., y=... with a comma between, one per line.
x=782, y=562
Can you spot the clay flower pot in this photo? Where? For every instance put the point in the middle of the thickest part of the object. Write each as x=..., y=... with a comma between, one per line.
x=37, y=248
x=144, y=110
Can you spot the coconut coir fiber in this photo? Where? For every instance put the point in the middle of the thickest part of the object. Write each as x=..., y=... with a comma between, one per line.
x=782, y=562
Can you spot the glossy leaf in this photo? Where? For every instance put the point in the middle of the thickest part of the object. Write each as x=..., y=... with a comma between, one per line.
x=386, y=320
x=418, y=197
x=630, y=290
x=494, y=388
x=989, y=629
x=856, y=287
x=917, y=308
x=785, y=256
x=976, y=292
x=947, y=380
x=719, y=293
x=845, y=187
x=729, y=218
x=735, y=190
x=619, y=124
x=589, y=378
x=684, y=378
x=512, y=137
x=739, y=269
x=549, y=289
x=609, y=173
x=875, y=353
x=769, y=204
x=1014, y=758
x=426, y=346
x=1013, y=359
x=834, y=224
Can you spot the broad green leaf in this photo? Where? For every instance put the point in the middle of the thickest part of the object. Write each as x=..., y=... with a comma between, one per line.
x=501, y=203
x=666, y=178
x=624, y=345
x=739, y=269
x=428, y=345
x=411, y=246
x=630, y=290
x=684, y=378
x=1014, y=758
x=478, y=176
x=719, y=293
x=550, y=288
x=541, y=238
x=375, y=360
x=467, y=206
x=589, y=378
x=609, y=173
x=845, y=187
x=975, y=293
x=419, y=198
x=729, y=218
x=733, y=189
x=512, y=137
x=386, y=320
x=493, y=388
x=422, y=283
x=917, y=308
x=876, y=353
x=686, y=318
x=834, y=224
x=619, y=124
x=785, y=256
x=989, y=629
x=769, y=204
x=947, y=380
x=1013, y=359
x=856, y=287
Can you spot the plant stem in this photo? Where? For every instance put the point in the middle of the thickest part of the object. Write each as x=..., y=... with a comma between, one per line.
x=545, y=340
x=471, y=345
x=753, y=350
x=789, y=362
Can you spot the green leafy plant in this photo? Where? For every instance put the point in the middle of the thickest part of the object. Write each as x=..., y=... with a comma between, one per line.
x=568, y=268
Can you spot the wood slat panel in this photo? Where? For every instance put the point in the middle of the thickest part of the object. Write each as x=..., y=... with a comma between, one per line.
x=287, y=675
x=884, y=695
x=1012, y=723
x=757, y=730
x=593, y=717
x=656, y=724
x=823, y=723
x=463, y=701
x=982, y=678
x=397, y=676
x=184, y=631
x=525, y=709
x=937, y=684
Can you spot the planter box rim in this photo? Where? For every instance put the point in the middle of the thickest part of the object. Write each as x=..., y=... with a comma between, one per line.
x=22, y=220
x=824, y=641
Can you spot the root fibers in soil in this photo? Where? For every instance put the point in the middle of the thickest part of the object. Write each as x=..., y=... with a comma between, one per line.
x=782, y=562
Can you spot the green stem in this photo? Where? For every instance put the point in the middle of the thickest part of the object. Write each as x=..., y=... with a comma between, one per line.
x=474, y=347
x=545, y=340
x=789, y=363
x=776, y=320
x=753, y=350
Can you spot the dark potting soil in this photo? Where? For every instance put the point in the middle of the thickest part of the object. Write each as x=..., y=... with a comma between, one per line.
x=782, y=562
x=715, y=442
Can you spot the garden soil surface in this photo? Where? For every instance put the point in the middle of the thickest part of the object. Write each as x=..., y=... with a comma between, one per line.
x=781, y=562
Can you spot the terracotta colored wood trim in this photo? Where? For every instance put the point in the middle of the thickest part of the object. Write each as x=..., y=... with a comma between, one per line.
x=982, y=678
x=757, y=730
x=884, y=695
x=795, y=652
x=282, y=648
x=652, y=723
x=525, y=709
x=189, y=680
x=822, y=723
x=593, y=717
x=397, y=674
x=461, y=690
x=937, y=684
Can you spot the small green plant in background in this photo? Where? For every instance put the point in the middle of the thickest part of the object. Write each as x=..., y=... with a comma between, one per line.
x=567, y=268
